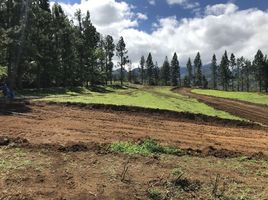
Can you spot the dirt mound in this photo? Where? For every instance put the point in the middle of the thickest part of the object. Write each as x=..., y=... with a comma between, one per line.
x=220, y=153
x=253, y=112
x=183, y=116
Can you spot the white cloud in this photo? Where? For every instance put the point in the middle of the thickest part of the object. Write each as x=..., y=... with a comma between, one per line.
x=186, y=4
x=220, y=9
x=152, y=2
x=142, y=16
x=222, y=27
x=109, y=16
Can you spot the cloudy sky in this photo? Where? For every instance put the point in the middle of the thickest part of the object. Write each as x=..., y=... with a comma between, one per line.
x=163, y=27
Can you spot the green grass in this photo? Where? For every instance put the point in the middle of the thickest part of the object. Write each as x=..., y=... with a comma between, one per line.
x=252, y=97
x=3, y=71
x=148, y=97
x=147, y=147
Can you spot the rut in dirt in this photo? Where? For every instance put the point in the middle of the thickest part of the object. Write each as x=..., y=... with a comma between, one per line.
x=253, y=112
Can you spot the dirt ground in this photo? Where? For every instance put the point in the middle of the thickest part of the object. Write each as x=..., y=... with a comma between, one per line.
x=61, y=152
x=253, y=112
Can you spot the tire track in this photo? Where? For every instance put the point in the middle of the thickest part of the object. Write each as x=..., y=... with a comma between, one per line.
x=253, y=112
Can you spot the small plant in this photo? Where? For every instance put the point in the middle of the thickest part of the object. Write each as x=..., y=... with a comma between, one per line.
x=146, y=148
x=154, y=194
x=185, y=184
x=177, y=173
x=218, y=192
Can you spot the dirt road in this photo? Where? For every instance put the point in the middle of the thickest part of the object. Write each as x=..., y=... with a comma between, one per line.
x=61, y=124
x=250, y=111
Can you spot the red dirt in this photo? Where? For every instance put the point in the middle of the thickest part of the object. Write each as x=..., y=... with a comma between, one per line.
x=61, y=125
x=253, y=112
x=66, y=149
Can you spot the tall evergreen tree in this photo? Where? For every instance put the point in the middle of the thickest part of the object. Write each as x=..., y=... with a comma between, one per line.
x=239, y=63
x=165, y=72
x=121, y=53
x=190, y=73
x=259, y=64
x=233, y=67
x=175, y=71
x=198, y=70
x=79, y=45
x=109, y=53
x=224, y=71
x=156, y=74
x=91, y=41
x=214, y=69
x=150, y=69
x=142, y=64
x=247, y=71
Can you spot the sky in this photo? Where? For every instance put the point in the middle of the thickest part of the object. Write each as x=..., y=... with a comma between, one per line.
x=163, y=27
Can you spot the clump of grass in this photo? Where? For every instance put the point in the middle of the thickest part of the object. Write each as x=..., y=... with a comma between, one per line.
x=147, y=147
x=154, y=194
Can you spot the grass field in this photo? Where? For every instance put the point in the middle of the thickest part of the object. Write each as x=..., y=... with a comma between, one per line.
x=252, y=97
x=149, y=97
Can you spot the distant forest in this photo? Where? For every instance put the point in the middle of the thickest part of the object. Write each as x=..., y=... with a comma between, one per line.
x=41, y=48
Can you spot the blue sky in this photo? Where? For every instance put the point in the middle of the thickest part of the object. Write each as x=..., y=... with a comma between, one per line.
x=162, y=9
x=163, y=27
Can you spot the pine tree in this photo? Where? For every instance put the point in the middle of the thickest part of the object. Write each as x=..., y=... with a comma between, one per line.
x=150, y=69
x=175, y=71
x=156, y=74
x=259, y=64
x=190, y=73
x=241, y=65
x=224, y=71
x=214, y=69
x=79, y=45
x=233, y=66
x=165, y=72
x=198, y=68
x=91, y=41
x=247, y=71
x=142, y=64
x=238, y=74
x=121, y=53
x=109, y=53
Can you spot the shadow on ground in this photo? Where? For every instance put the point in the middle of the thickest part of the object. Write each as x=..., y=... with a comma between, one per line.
x=9, y=108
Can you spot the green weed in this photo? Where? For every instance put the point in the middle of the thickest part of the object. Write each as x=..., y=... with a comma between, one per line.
x=147, y=147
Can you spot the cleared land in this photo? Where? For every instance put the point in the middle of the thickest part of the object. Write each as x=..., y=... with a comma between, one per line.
x=252, y=97
x=253, y=112
x=147, y=97
x=62, y=152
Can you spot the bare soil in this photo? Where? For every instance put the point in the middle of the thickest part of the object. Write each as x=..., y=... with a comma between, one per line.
x=62, y=152
x=253, y=112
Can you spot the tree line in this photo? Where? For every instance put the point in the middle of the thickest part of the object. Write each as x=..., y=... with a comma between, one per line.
x=235, y=74
x=41, y=47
